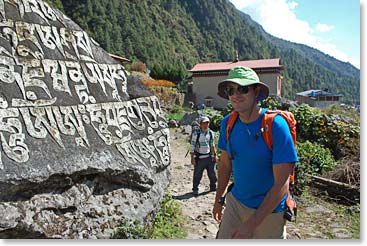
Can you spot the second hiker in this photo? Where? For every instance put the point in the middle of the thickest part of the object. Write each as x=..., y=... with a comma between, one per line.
x=203, y=155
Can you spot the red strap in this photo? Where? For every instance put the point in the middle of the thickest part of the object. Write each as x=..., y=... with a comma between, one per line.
x=232, y=119
x=266, y=125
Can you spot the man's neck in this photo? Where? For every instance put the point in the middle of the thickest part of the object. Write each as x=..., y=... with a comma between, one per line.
x=204, y=131
x=251, y=116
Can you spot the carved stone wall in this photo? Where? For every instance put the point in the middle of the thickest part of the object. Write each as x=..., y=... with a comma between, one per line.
x=81, y=146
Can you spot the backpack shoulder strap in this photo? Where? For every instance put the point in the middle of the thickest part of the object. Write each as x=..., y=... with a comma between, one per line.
x=211, y=139
x=266, y=125
x=291, y=120
x=197, y=137
x=232, y=119
x=267, y=122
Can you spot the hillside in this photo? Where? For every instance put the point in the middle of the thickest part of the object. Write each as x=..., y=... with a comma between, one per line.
x=319, y=65
x=171, y=36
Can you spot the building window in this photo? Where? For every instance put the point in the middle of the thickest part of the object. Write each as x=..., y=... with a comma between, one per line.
x=208, y=102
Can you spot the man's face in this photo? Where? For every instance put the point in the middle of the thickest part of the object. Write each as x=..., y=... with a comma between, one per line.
x=241, y=97
x=204, y=126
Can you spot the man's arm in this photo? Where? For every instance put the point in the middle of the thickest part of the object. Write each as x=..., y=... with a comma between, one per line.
x=214, y=151
x=224, y=174
x=271, y=200
x=192, y=148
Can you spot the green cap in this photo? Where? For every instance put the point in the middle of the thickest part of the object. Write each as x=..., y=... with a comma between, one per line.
x=243, y=76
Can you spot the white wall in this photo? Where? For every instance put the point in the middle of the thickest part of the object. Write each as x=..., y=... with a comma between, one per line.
x=208, y=86
x=204, y=86
x=271, y=80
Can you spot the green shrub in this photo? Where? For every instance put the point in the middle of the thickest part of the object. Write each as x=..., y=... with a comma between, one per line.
x=349, y=112
x=228, y=109
x=177, y=113
x=341, y=137
x=131, y=230
x=168, y=222
x=313, y=160
x=217, y=120
x=270, y=103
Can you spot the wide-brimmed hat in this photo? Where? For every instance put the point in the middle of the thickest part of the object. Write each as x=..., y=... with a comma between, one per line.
x=204, y=119
x=243, y=76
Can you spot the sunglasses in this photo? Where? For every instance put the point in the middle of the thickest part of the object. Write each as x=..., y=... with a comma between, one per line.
x=241, y=89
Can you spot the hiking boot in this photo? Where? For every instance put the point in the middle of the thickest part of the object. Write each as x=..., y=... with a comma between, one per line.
x=195, y=193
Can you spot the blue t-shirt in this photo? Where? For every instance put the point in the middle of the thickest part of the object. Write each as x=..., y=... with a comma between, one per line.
x=252, y=166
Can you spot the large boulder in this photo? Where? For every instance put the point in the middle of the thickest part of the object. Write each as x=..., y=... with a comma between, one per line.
x=82, y=148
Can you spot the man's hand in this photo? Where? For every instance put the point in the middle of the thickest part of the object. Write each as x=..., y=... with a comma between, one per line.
x=245, y=230
x=217, y=211
x=193, y=160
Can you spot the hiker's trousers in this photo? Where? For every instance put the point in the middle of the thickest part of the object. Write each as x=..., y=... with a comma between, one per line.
x=201, y=165
x=235, y=213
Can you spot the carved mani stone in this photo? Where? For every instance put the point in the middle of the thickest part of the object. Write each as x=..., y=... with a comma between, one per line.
x=78, y=153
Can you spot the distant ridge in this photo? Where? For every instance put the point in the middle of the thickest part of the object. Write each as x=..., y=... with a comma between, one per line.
x=171, y=36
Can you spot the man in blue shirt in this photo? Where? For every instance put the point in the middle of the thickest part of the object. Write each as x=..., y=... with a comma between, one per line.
x=255, y=206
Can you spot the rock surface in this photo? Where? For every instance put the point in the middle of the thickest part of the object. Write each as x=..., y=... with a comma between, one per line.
x=83, y=145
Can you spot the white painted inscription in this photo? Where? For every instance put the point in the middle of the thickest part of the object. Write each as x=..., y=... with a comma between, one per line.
x=111, y=121
x=45, y=64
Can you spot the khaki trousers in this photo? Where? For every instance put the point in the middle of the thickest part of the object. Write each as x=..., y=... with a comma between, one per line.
x=235, y=213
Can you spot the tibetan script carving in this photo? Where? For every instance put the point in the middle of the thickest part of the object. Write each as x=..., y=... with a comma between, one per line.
x=62, y=90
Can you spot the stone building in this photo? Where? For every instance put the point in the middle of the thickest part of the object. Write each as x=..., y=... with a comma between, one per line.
x=207, y=76
x=318, y=98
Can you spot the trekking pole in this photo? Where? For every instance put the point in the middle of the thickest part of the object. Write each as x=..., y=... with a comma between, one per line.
x=187, y=153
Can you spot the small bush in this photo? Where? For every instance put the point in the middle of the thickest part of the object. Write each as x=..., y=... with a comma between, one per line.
x=131, y=230
x=270, y=103
x=138, y=67
x=160, y=82
x=333, y=132
x=168, y=223
x=217, y=120
x=177, y=113
x=228, y=109
x=313, y=160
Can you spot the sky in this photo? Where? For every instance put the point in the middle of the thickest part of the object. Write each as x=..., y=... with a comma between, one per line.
x=331, y=26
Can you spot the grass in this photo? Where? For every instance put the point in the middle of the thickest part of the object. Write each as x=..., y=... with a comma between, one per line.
x=175, y=116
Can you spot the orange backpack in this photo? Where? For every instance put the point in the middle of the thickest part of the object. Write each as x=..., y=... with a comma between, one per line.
x=266, y=132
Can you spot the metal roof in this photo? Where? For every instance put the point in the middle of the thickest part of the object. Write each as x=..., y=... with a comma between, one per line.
x=317, y=93
x=119, y=58
x=254, y=64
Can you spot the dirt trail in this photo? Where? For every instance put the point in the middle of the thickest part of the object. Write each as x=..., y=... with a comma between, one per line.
x=315, y=220
x=197, y=210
